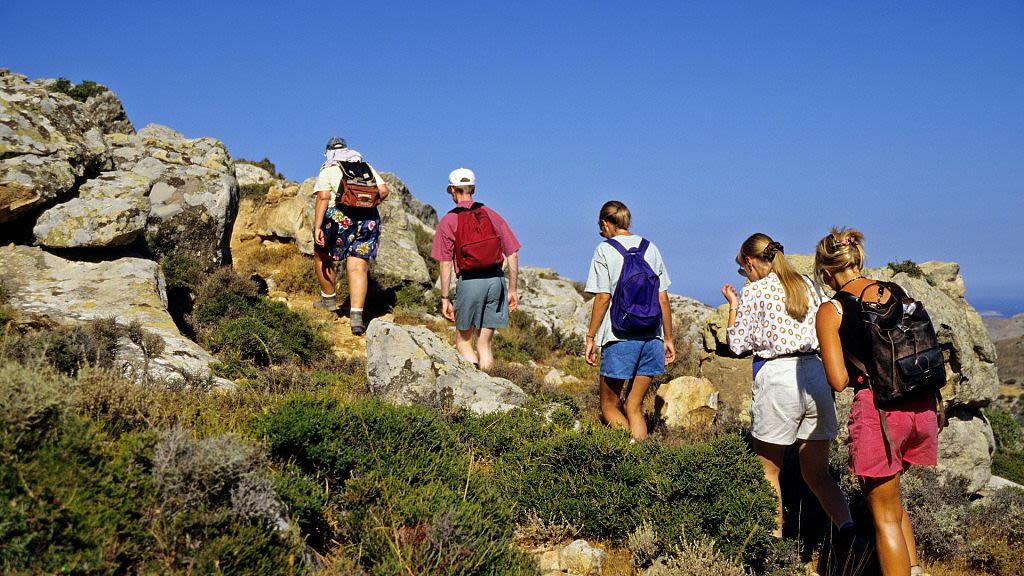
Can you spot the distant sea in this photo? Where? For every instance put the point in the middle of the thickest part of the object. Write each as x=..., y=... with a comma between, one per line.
x=997, y=306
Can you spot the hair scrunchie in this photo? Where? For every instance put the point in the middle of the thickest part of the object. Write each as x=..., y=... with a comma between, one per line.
x=771, y=249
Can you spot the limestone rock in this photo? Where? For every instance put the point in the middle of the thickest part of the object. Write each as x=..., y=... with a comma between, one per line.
x=108, y=112
x=47, y=142
x=580, y=558
x=194, y=198
x=47, y=289
x=411, y=365
x=286, y=213
x=422, y=213
x=248, y=174
x=111, y=210
x=965, y=447
x=686, y=401
x=553, y=301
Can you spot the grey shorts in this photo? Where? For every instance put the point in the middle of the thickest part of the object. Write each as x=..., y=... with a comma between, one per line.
x=481, y=303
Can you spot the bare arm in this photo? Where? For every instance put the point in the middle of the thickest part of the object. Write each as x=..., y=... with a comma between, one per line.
x=601, y=301
x=323, y=198
x=447, y=310
x=666, y=326
x=513, y=280
x=827, y=323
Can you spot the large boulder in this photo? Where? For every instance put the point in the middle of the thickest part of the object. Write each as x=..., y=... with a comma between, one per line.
x=48, y=142
x=686, y=401
x=966, y=445
x=194, y=198
x=249, y=174
x=553, y=301
x=46, y=289
x=110, y=210
x=420, y=213
x=411, y=365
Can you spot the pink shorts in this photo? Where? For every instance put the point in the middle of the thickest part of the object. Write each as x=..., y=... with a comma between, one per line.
x=914, y=430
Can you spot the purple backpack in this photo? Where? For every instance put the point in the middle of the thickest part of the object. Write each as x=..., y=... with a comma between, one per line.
x=635, y=306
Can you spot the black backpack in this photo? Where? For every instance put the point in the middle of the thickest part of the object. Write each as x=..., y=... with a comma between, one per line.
x=906, y=361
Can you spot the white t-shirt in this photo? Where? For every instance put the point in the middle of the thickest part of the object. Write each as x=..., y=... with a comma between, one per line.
x=605, y=268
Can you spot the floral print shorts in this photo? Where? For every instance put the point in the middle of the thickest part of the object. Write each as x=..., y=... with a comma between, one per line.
x=354, y=234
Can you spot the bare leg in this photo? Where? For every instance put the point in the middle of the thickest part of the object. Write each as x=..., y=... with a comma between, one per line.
x=814, y=468
x=771, y=457
x=483, y=348
x=357, y=269
x=611, y=406
x=634, y=406
x=323, y=266
x=883, y=495
x=464, y=344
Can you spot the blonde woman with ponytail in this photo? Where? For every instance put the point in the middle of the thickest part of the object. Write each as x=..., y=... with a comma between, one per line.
x=911, y=424
x=773, y=317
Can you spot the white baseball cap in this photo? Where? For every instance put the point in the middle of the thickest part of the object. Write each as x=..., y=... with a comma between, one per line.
x=462, y=177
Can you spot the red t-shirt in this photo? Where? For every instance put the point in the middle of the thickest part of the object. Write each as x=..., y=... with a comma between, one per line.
x=443, y=248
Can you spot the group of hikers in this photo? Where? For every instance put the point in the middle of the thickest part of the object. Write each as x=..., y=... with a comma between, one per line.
x=805, y=347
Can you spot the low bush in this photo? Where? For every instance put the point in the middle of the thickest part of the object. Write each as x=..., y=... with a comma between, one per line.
x=696, y=557
x=410, y=499
x=81, y=91
x=249, y=331
x=525, y=340
x=254, y=190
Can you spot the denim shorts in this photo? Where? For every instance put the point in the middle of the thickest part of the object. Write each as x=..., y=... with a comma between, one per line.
x=625, y=359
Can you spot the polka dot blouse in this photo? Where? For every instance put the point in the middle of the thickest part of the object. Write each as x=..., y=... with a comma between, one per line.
x=764, y=327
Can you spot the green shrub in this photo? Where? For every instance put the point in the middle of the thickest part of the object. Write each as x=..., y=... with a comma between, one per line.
x=248, y=330
x=594, y=478
x=996, y=530
x=255, y=190
x=181, y=271
x=81, y=91
x=938, y=512
x=1007, y=431
x=912, y=269
x=32, y=399
x=1009, y=465
x=525, y=340
x=697, y=557
x=410, y=499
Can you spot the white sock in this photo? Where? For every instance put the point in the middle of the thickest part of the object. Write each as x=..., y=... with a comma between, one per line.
x=327, y=295
x=356, y=310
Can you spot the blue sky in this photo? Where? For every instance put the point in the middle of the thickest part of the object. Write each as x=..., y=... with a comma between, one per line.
x=711, y=121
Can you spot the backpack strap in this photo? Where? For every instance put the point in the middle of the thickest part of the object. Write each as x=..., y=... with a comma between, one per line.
x=461, y=209
x=641, y=249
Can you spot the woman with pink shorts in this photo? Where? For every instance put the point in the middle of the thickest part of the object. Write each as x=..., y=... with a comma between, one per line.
x=912, y=425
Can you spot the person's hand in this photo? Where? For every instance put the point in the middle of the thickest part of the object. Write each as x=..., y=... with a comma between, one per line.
x=513, y=301
x=447, y=310
x=730, y=295
x=590, y=352
x=319, y=236
x=670, y=352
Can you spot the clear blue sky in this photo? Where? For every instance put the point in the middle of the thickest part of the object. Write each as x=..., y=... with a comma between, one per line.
x=709, y=120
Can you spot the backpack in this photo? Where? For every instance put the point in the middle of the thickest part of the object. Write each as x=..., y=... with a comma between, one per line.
x=477, y=245
x=906, y=360
x=635, y=306
x=358, y=187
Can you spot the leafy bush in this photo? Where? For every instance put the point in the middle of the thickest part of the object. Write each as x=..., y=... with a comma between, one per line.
x=32, y=398
x=81, y=91
x=1005, y=428
x=912, y=269
x=254, y=190
x=525, y=340
x=248, y=330
x=411, y=500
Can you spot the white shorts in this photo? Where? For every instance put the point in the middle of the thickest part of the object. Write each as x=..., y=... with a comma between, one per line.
x=793, y=401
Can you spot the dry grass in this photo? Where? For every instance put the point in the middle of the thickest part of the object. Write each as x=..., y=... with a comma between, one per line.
x=290, y=271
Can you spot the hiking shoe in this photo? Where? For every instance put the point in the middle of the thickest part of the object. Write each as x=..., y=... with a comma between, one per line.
x=358, y=328
x=328, y=303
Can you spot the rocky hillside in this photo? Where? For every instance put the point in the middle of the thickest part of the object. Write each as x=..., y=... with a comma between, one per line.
x=90, y=207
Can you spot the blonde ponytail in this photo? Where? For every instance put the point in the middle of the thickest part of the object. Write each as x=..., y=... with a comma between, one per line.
x=762, y=247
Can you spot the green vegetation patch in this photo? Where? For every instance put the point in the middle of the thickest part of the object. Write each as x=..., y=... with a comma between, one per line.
x=81, y=91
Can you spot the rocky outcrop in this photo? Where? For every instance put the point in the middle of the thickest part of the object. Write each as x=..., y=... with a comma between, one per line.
x=45, y=289
x=48, y=142
x=108, y=112
x=421, y=214
x=110, y=210
x=966, y=445
x=971, y=378
x=248, y=174
x=286, y=214
x=553, y=301
x=194, y=198
x=411, y=365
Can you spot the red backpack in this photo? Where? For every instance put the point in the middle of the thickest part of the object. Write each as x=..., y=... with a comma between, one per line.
x=477, y=245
